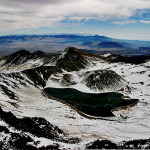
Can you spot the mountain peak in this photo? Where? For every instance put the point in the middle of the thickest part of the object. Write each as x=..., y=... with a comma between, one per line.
x=19, y=57
x=22, y=52
x=70, y=49
x=71, y=60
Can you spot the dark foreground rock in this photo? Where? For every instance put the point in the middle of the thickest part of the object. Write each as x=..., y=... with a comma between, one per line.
x=24, y=129
x=105, y=144
x=19, y=141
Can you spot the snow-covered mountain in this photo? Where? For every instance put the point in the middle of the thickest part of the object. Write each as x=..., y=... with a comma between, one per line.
x=39, y=122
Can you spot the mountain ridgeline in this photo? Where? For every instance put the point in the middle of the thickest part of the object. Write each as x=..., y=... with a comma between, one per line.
x=19, y=57
x=71, y=59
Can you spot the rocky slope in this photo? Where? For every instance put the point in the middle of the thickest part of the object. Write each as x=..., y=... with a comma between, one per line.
x=29, y=119
x=20, y=133
x=23, y=60
x=103, y=79
x=104, y=144
x=71, y=60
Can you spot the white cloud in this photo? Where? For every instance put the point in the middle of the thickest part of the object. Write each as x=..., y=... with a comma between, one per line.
x=145, y=21
x=16, y=14
x=123, y=22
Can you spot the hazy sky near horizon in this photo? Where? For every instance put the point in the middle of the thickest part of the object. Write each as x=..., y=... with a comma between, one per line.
x=125, y=19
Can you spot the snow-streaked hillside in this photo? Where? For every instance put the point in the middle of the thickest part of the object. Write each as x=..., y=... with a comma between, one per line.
x=97, y=81
x=21, y=92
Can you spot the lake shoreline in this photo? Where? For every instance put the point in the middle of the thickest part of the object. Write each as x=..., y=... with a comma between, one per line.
x=81, y=113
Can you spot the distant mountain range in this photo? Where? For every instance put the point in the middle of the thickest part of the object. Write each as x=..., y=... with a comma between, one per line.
x=39, y=52
x=56, y=43
x=110, y=45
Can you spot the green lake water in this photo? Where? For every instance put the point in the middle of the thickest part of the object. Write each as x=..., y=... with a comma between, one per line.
x=98, y=105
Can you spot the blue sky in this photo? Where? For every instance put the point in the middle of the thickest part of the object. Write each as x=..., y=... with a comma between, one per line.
x=124, y=19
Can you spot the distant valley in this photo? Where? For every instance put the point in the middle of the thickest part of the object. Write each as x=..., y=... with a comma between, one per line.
x=56, y=43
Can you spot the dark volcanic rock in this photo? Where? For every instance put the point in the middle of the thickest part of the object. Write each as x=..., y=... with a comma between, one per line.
x=102, y=79
x=7, y=92
x=133, y=59
x=71, y=61
x=19, y=141
x=50, y=147
x=36, y=126
x=67, y=80
x=45, y=71
x=19, y=57
x=39, y=75
x=10, y=140
x=25, y=57
x=105, y=144
x=36, y=77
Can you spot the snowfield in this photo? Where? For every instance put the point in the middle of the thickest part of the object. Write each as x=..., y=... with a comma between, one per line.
x=131, y=123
